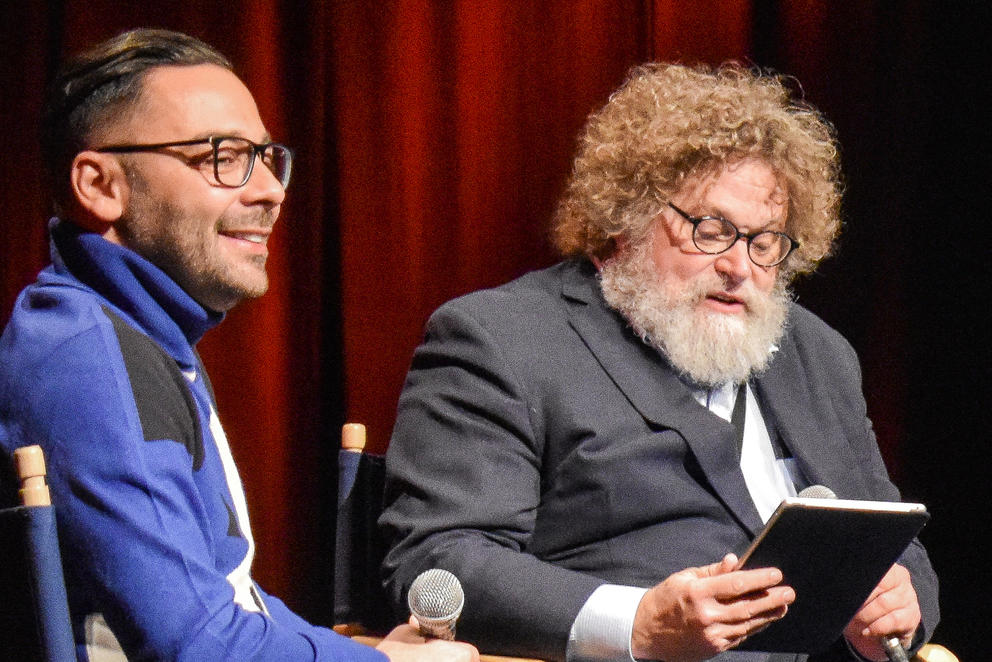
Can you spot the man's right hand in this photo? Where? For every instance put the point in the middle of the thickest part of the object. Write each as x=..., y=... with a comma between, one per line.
x=700, y=612
x=406, y=644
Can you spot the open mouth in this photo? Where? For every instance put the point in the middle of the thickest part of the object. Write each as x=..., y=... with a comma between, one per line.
x=724, y=301
x=725, y=298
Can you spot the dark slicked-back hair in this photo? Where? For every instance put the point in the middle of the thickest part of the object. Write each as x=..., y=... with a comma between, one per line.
x=100, y=85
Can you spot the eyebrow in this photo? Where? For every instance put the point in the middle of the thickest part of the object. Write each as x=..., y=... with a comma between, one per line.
x=205, y=135
x=760, y=228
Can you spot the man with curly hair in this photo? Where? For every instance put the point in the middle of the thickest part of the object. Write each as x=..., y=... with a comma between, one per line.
x=588, y=446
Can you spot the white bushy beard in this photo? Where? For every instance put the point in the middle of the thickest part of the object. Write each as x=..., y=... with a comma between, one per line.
x=706, y=347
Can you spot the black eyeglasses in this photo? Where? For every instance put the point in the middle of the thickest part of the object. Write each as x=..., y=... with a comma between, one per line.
x=715, y=235
x=230, y=159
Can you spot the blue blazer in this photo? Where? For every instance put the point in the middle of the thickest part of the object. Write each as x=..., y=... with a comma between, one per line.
x=542, y=449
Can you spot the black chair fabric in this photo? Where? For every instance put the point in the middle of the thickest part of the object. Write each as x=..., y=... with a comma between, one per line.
x=359, y=598
x=34, y=612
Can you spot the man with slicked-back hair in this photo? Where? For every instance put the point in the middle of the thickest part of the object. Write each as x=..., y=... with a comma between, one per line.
x=166, y=187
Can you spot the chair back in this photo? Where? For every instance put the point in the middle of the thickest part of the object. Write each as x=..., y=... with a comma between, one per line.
x=34, y=611
x=359, y=599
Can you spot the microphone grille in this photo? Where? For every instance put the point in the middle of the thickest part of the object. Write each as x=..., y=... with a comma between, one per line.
x=817, y=492
x=436, y=594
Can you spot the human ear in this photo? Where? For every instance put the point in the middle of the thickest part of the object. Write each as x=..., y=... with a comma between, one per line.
x=100, y=188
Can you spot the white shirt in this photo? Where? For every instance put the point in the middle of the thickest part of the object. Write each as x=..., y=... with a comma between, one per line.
x=602, y=630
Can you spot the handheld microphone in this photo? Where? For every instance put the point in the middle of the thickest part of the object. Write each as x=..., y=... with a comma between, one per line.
x=436, y=600
x=894, y=650
x=892, y=646
x=817, y=492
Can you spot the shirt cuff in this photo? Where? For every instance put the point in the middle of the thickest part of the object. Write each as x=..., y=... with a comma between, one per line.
x=601, y=631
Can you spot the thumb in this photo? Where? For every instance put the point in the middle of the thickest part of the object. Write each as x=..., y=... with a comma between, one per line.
x=727, y=564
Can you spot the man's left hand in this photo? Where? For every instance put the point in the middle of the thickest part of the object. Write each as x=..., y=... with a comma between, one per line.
x=892, y=610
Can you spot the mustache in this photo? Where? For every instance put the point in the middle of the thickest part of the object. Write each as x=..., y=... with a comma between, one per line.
x=254, y=220
x=703, y=285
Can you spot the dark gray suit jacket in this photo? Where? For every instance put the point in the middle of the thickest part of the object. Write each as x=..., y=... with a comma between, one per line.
x=542, y=449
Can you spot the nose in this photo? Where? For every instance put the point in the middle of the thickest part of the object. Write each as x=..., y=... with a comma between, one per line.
x=734, y=263
x=262, y=186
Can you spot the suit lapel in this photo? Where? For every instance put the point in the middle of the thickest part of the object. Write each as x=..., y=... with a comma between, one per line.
x=655, y=391
x=788, y=399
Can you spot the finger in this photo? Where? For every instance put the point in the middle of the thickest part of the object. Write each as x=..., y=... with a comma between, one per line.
x=737, y=641
x=898, y=623
x=735, y=633
x=897, y=576
x=899, y=603
x=725, y=623
x=453, y=650
x=727, y=564
x=760, y=608
x=729, y=637
x=405, y=633
x=741, y=582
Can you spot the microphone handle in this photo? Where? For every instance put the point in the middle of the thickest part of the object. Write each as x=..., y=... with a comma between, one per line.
x=894, y=650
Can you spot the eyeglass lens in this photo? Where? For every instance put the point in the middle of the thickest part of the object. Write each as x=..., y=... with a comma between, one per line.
x=715, y=235
x=235, y=158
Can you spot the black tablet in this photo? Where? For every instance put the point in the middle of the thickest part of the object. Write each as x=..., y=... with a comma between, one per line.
x=833, y=552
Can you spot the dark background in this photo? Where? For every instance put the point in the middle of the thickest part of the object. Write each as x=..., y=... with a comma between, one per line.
x=433, y=138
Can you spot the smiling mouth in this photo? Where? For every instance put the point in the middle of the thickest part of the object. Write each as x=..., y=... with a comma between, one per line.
x=253, y=237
